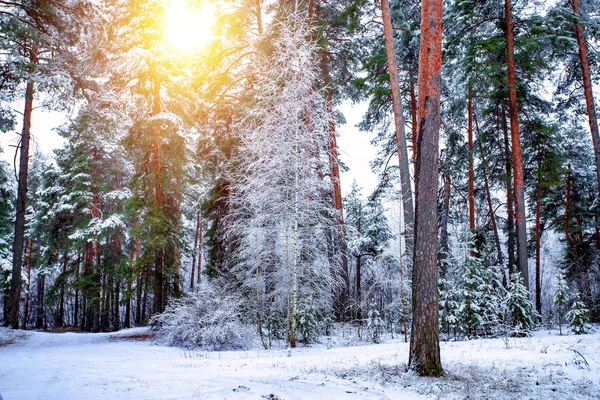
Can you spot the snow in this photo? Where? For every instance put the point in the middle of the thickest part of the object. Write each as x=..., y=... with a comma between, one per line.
x=39, y=365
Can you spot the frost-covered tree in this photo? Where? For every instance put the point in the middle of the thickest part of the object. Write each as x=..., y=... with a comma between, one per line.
x=367, y=235
x=6, y=216
x=278, y=210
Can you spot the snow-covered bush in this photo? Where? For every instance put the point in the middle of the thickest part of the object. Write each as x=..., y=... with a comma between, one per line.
x=374, y=324
x=208, y=317
x=579, y=317
x=306, y=322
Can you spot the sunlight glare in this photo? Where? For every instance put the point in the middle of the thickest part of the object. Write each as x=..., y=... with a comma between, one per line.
x=188, y=28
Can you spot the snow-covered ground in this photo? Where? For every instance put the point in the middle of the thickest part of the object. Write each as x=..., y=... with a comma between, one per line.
x=37, y=365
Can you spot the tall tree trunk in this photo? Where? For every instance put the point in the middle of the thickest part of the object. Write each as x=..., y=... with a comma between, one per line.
x=407, y=201
x=538, y=240
x=76, y=307
x=515, y=134
x=413, y=113
x=510, y=208
x=19, y=240
x=26, y=305
x=194, y=254
x=344, y=292
x=127, y=322
x=471, y=163
x=159, y=197
x=444, y=248
x=567, y=220
x=424, y=341
x=176, y=256
x=587, y=86
x=61, y=308
x=40, y=320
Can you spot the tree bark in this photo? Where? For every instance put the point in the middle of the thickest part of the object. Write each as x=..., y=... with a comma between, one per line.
x=587, y=86
x=407, y=201
x=424, y=341
x=413, y=113
x=471, y=164
x=19, y=240
x=195, y=250
x=538, y=240
x=26, y=305
x=510, y=208
x=515, y=134
x=444, y=248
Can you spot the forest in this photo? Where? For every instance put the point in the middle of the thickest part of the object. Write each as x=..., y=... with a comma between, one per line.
x=197, y=190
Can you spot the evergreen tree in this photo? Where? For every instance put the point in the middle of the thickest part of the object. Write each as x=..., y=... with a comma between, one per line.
x=520, y=316
x=578, y=317
x=560, y=301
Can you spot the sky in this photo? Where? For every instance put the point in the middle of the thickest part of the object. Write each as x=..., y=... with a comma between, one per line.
x=355, y=148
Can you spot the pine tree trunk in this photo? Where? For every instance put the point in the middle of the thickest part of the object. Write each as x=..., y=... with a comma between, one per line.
x=538, y=240
x=127, y=322
x=26, y=305
x=61, y=308
x=510, y=209
x=40, y=317
x=471, y=164
x=194, y=254
x=424, y=341
x=14, y=303
x=358, y=289
x=407, y=201
x=587, y=86
x=159, y=196
x=76, y=307
x=444, y=248
x=515, y=135
x=413, y=112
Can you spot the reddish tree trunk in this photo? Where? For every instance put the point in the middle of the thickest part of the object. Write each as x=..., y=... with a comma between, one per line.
x=424, y=341
x=587, y=86
x=515, y=134
x=19, y=239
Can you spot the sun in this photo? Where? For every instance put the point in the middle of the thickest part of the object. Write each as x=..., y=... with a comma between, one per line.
x=188, y=27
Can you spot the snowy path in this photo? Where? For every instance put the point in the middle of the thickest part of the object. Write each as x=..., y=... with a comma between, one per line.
x=103, y=366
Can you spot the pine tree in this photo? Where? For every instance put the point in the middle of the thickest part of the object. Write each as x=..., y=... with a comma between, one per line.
x=560, y=301
x=520, y=316
x=579, y=317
